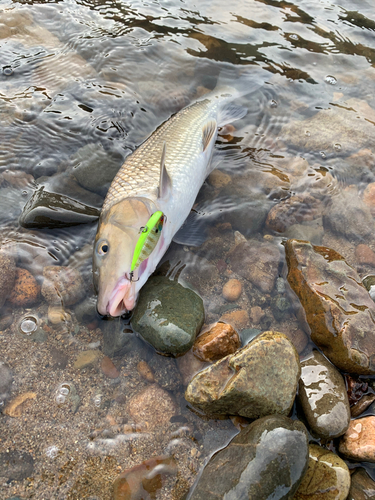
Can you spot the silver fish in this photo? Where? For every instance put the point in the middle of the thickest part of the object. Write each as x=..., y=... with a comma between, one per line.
x=165, y=173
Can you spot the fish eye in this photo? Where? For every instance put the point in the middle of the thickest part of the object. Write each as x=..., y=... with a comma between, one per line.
x=103, y=248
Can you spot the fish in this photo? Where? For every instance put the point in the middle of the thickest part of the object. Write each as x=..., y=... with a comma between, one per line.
x=164, y=174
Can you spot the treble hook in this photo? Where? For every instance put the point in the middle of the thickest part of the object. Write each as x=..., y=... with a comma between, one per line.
x=131, y=275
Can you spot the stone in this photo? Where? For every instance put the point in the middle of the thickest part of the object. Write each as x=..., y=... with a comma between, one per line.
x=62, y=285
x=238, y=319
x=267, y=459
x=362, y=486
x=168, y=315
x=19, y=404
x=16, y=465
x=145, y=371
x=6, y=320
x=215, y=342
x=118, y=338
x=327, y=477
x=57, y=315
x=25, y=291
x=86, y=359
x=323, y=397
x=298, y=338
x=152, y=406
x=232, y=290
x=291, y=211
x=218, y=179
x=358, y=443
x=256, y=315
x=6, y=380
x=189, y=365
x=362, y=405
x=257, y=262
x=108, y=368
x=309, y=231
x=364, y=255
x=165, y=372
x=144, y=480
x=338, y=309
x=7, y=274
x=260, y=379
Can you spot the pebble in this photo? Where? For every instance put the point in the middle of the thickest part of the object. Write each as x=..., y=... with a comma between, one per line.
x=218, y=179
x=19, y=404
x=108, y=368
x=327, y=477
x=256, y=315
x=153, y=405
x=57, y=315
x=7, y=275
x=232, y=290
x=323, y=397
x=247, y=468
x=260, y=379
x=358, y=443
x=145, y=372
x=16, y=465
x=316, y=274
x=362, y=486
x=215, y=342
x=25, y=290
x=238, y=319
x=365, y=255
x=62, y=285
x=86, y=359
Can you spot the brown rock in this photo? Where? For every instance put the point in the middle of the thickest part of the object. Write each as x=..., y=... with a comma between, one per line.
x=7, y=275
x=365, y=255
x=256, y=314
x=294, y=210
x=18, y=405
x=257, y=262
x=338, y=309
x=362, y=486
x=358, y=443
x=218, y=341
x=86, y=358
x=108, y=368
x=298, y=338
x=218, y=179
x=362, y=405
x=25, y=291
x=238, y=319
x=153, y=405
x=232, y=290
x=188, y=366
x=145, y=371
x=62, y=285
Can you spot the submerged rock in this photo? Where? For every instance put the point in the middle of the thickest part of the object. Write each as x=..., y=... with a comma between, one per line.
x=327, y=477
x=62, y=285
x=323, y=396
x=260, y=379
x=358, y=443
x=152, y=406
x=267, y=459
x=217, y=341
x=25, y=291
x=16, y=465
x=168, y=315
x=7, y=275
x=338, y=308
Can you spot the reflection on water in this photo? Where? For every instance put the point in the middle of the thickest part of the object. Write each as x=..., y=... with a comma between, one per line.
x=82, y=84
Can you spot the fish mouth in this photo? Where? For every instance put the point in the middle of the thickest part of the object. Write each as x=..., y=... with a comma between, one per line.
x=122, y=298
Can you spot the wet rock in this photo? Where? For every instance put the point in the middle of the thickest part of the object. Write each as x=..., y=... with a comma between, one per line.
x=364, y=255
x=260, y=379
x=215, y=342
x=25, y=291
x=256, y=315
x=280, y=306
x=349, y=216
x=165, y=372
x=152, y=406
x=145, y=371
x=257, y=262
x=59, y=358
x=144, y=480
x=108, y=368
x=168, y=315
x=86, y=359
x=338, y=308
x=327, y=477
x=232, y=290
x=294, y=210
x=218, y=179
x=62, y=285
x=356, y=388
x=358, y=443
x=7, y=275
x=267, y=459
x=19, y=404
x=238, y=319
x=57, y=315
x=309, y=231
x=118, y=338
x=362, y=405
x=323, y=397
x=6, y=380
x=16, y=465
x=362, y=486
x=188, y=366
x=369, y=284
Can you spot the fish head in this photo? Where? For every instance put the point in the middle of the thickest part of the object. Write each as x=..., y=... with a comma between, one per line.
x=116, y=238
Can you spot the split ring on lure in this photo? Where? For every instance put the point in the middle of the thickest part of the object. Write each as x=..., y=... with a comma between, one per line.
x=147, y=241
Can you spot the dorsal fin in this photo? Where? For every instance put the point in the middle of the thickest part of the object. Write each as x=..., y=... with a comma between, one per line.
x=208, y=131
x=165, y=182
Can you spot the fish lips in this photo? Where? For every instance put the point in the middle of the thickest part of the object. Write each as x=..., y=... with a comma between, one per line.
x=121, y=300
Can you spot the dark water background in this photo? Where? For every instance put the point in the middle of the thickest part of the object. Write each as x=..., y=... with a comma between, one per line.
x=103, y=75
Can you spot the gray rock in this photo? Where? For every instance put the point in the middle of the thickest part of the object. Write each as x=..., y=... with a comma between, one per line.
x=280, y=306
x=265, y=460
x=7, y=275
x=260, y=379
x=168, y=315
x=323, y=397
x=16, y=465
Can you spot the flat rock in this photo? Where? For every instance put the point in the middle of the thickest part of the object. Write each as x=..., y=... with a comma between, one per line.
x=152, y=406
x=338, y=308
x=216, y=341
x=327, y=477
x=267, y=459
x=260, y=379
x=257, y=262
x=362, y=486
x=168, y=315
x=7, y=275
x=358, y=443
x=323, y=397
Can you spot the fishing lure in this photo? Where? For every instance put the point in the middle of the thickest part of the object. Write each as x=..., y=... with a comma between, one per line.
x=148, y=239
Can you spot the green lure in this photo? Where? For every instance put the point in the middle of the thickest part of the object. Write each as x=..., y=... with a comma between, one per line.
x=148, y=239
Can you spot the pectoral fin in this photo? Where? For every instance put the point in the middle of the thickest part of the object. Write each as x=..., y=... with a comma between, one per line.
x=165, y=182
x=209, y=131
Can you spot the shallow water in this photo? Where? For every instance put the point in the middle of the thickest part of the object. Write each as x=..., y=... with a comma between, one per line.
x=103, y=76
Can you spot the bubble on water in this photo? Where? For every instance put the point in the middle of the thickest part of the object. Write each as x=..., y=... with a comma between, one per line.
x=330, y=79
x=28, y=325
x=273, y=103
x=60, y=399
x=62, y=393
x=65, y=390
x=97, y=400
x=323, y=155
x=52, y=451
x=307, y=133
x=7, y=70
x=294, y=36
x=337, y=147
